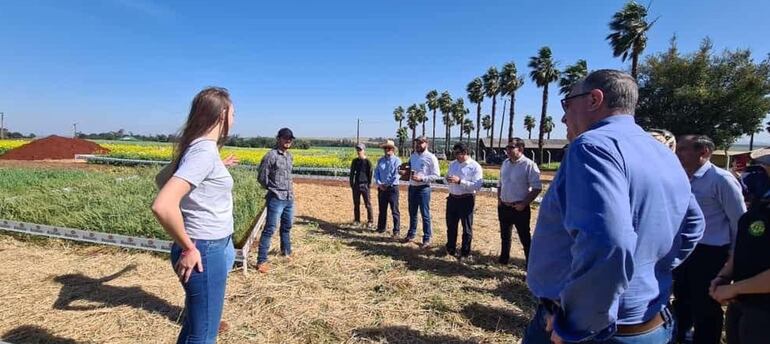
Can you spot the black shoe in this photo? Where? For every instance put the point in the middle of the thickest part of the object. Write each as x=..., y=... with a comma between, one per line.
x=406, y=240
x=503, y=261
x=381, y=231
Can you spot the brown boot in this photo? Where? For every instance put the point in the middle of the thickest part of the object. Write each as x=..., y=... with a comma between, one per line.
x=223, y=327
x=263, y=268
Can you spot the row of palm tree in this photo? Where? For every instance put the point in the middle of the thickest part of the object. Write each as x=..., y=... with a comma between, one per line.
x=628, y=39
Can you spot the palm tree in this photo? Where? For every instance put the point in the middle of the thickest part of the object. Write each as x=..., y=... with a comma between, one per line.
x=475, y=91
x=458, y=115
x=543, y=73
x=571, y=75
x=468, y=128
x=629, y=33
x=422, y=116
x=402, y=135
x=398, y=115
x=486, y=122
x=491, y=89
x=412, y=119
x=529, y=123
x=445, y=104
x=431, y=100
x=509, y=83
x=548, y=126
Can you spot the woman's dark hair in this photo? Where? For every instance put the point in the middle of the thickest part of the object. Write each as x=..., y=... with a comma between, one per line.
x=205, y=113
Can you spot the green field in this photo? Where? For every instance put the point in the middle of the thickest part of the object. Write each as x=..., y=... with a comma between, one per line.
x=113, y=200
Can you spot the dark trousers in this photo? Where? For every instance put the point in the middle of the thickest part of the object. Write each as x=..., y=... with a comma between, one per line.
x=386, y=197
x=459, y=209
x=359, y=191
x=509, y=217
x=747, y=324
x=692, y=304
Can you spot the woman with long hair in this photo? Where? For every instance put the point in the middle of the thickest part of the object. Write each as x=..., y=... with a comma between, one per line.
x=195, y=207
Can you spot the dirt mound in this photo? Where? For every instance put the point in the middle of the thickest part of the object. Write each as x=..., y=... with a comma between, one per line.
x=53, y=147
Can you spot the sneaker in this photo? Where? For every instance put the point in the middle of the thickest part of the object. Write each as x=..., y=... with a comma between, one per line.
x=356, y=224
x=370, y=225
x=263, y=268
x=450, y=252
x=467, y=259
x=223, y=327
x=395, y=235
x=406, y=240
x=425, y=245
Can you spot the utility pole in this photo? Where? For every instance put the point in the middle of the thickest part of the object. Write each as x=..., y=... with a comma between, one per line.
x=358, y=129
x=2, y=125
x=75, y=130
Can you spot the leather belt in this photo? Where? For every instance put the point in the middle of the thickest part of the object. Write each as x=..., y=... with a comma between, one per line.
x=636, y=329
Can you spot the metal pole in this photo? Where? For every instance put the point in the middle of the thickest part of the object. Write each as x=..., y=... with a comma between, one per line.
x=74, y=130
x=358, y=129
x=2, y=125
x=502, y=124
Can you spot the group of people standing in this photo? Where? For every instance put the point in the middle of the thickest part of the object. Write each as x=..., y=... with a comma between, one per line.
x=518, y=186
x=623, y=225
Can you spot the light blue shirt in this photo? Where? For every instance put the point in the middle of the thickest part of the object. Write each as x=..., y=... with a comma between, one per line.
x=720, y=198
x=386, y=171
x=616, y=220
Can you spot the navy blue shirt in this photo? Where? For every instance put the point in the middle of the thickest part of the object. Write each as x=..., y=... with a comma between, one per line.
x=616, y=220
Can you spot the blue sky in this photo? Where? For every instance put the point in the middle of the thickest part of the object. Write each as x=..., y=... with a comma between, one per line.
x=314, y=66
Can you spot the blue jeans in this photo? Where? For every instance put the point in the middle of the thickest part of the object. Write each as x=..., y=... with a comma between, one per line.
x=419, y=197
x=277, y=210
x=536, y=334
x=205, y=291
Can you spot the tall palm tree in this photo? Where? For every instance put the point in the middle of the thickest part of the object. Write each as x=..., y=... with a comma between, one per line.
x=458, y=115
x=412, y=119
x=510, y=82
x=422, y=116
x=629, y=28
x=548, y=126
x=571, y=75
x=402, y=135
x=486, y=122
x=543, y=73
x=398, y=115
x=491, y=89
x=445, y=104
x=529, y=123
x=475, y=91
x=468, y=128
x=431, y=99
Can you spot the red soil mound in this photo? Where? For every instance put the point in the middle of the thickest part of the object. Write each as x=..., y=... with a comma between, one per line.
x=53, y=147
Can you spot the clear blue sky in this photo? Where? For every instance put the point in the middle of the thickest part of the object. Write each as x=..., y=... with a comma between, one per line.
x=311, y=65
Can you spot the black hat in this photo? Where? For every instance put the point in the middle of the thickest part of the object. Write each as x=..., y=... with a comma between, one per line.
x=285, y=132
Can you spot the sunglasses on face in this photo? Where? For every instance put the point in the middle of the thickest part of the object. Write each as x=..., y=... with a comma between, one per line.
x=565, y=100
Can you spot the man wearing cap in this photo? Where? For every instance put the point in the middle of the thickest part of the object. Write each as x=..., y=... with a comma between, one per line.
x=360, y=181
x=424, y=170
x=386, y=179
x=275, y=176
x=720, y=197
x=464, y=178
x=517, y=187
x=744, y=281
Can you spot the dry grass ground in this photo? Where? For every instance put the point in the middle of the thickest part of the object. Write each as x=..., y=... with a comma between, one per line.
x=344, y=285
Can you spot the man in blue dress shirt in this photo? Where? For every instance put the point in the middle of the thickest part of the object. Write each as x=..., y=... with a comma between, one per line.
x=616, y=220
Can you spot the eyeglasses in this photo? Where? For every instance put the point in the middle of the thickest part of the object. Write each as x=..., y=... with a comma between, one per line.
x=566, y=100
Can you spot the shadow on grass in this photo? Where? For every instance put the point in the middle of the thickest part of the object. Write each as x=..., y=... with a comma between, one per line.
x=513, y=291
x=77, y=287
x=33, y=335
x=414, y=258
x=403, y=334
x=495, y=319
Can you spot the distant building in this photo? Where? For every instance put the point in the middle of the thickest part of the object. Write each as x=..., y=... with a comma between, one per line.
x=494, y=153
x=127, y=138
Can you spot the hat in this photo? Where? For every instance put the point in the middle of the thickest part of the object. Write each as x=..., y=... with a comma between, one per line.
x=285, y=132
x=761, y=156
x=421, y=139
x=388, y=144
x=361, y=146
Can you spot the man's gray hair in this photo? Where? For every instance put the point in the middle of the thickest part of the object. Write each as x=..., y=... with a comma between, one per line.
x=620, y=89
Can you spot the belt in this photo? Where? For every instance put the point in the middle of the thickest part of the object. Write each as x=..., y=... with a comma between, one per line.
x=461, y=196
x=636, y=329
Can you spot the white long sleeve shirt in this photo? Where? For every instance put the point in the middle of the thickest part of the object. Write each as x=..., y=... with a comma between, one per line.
x=517, y=179
x=471, y=177
x=425, y=165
